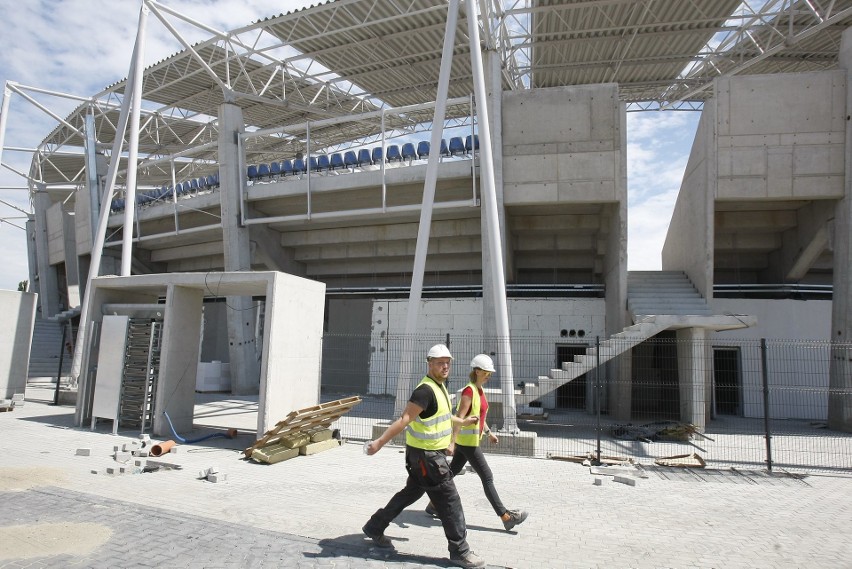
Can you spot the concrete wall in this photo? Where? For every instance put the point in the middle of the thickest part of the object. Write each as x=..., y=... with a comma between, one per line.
x=797, y=367
x=18, y=308
x=536, y=326
x=781, y=136
x=562, y=144
x=689, y=241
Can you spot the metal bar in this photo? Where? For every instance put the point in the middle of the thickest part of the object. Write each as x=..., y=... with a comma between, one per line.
x=59, y=371
x=767, y=431
x=133, y=146
x=402, y=386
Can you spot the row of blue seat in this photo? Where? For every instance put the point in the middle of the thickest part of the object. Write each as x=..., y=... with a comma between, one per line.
x=194, y=185
x=364, y=157
x=322, y=162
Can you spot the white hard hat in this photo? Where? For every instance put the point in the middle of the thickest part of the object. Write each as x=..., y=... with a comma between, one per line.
x=439, y=351
x=483, y=362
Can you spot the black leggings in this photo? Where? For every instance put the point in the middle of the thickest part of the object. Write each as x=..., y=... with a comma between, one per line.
x=476, y=458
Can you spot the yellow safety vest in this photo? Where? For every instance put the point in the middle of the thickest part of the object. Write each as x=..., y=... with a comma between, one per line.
x=469, y=434
x=435, y=432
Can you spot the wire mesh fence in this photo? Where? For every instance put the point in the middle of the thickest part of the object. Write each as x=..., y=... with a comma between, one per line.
x=775, y=404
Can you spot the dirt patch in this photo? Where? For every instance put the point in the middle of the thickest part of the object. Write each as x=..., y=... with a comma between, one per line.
x=46, y=540
x=20, y=479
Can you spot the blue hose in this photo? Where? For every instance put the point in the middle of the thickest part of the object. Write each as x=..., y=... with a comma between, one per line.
x=229, y=435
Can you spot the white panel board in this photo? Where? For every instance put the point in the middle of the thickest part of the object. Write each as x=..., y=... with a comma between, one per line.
x=110, y=367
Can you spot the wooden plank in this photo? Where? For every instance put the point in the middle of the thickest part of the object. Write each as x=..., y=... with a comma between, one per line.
x=313, y=417
x=313, y=448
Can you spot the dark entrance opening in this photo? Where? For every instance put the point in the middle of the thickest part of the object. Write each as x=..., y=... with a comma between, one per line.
x=726, y=378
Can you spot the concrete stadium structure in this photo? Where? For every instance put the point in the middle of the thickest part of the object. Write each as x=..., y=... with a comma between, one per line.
x=249, y=159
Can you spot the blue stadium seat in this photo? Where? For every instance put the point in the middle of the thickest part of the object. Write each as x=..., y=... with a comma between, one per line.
x=423, y=149
x=275, y=169
x=193, y=185
x=323, y=162
x=211, y=181
x=408, y=151
x=337, y=161
x=393, y=153
x=471, y=146
x=251, y=172
x=456, y=145
x=298, y=166
x=202, y=183
x=286, y=167
x=350, y=159
x=263, y=171
x=312, y=163
x=364, y=157
x=376, y=155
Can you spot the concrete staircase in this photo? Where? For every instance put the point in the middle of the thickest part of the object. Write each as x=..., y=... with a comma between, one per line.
x=663, y=292
x=44, y=352
x=657, y=301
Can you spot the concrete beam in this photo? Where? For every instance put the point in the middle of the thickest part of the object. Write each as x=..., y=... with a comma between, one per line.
x=767, y=220
x=402, y=231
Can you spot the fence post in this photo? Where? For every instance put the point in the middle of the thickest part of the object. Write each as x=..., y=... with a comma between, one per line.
x=767, y=432
x=598, y=394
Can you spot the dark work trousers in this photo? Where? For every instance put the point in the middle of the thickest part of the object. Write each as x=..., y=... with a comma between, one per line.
x=476, y=458
x=428, y=473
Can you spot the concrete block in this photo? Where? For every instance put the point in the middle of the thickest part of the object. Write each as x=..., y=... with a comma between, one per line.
x=598, y=482
x=175, y=449
x=122, y=456
x=624, y=480
x=221, y=477
x=84, y=452
x=521, y=444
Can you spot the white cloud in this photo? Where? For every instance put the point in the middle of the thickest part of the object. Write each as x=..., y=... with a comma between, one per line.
x=658, y=146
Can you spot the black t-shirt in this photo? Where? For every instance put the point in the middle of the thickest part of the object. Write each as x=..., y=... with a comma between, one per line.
x=424, y=397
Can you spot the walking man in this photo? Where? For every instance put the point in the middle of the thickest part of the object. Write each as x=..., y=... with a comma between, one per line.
x=428, y=423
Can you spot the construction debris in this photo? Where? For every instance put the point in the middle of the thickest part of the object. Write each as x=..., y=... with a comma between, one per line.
x=590, y=459
x=682, y=461
x=658, y=431
x=304, y=432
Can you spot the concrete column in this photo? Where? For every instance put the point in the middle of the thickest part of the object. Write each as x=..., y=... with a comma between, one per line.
x=493, y=81
x=840, y=371
x=178, y=360
x=241, y=314
x=47, y=286
x=72, y=269
x=694, y=373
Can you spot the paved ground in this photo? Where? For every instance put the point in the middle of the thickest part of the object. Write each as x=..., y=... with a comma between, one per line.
x=308, y=511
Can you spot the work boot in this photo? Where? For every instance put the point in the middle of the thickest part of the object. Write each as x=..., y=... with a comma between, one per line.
x=515, y=517
x=380, y=539
x=467, y=559
x=430, y=509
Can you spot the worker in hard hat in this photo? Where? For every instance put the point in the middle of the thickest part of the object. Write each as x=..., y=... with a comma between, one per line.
x=429, y=425
x=473, y=403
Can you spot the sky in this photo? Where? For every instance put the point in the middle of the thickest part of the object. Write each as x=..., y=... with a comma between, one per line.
x=78, y=47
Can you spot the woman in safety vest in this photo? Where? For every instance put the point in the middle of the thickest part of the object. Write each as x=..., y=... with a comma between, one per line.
x=473, y=403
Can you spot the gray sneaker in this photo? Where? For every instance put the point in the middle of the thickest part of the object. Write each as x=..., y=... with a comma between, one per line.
x=380, y=539
x=468, y=559
x=515, y=517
